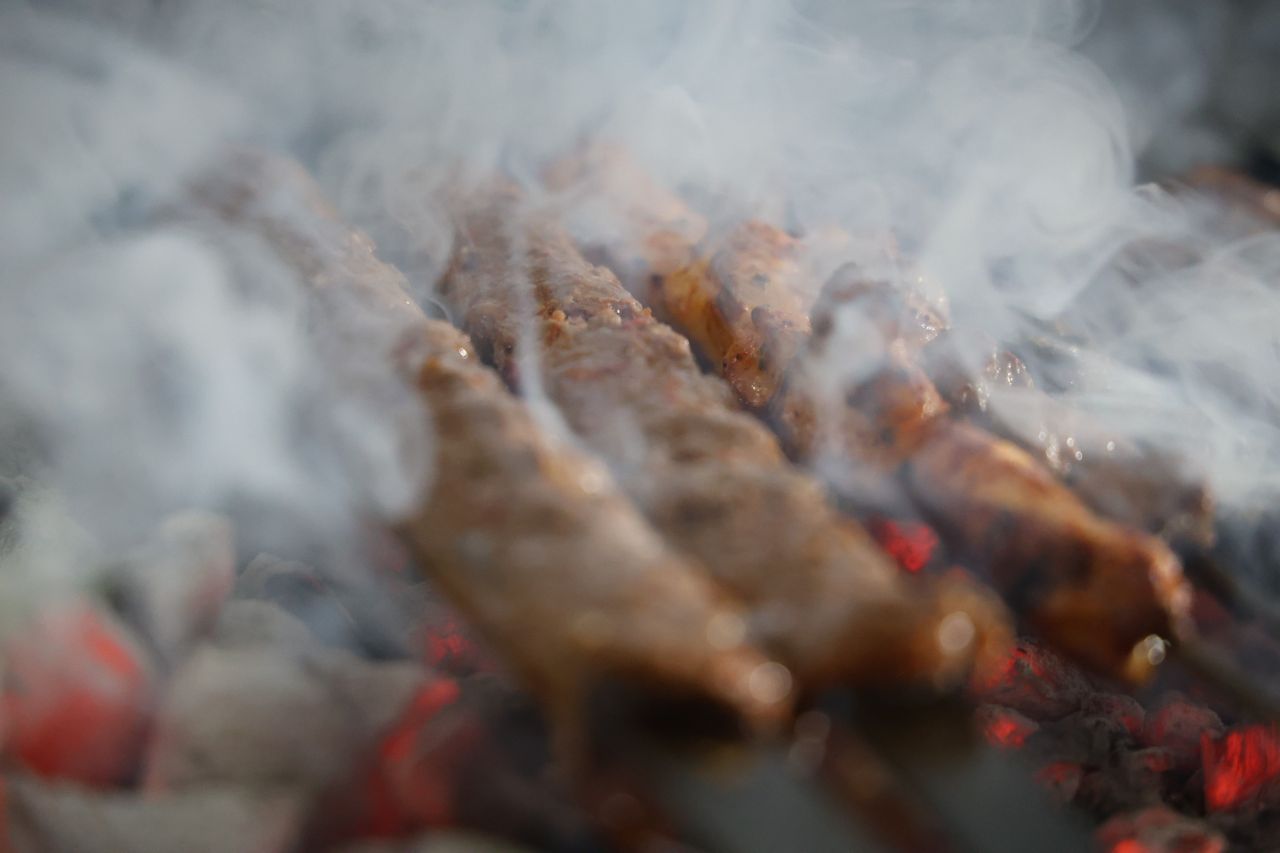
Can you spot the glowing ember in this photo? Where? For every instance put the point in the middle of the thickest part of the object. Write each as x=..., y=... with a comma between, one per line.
x=1004, y=727
x=910, y=543
x=1122, y=709
x=411, y=784
x=1129, y=845
x=1158, y=829
x=1239, y=765
x=447, y=644
x=1178, y=725
x=76, y=697
x=1035, y=682
x=1061, y=779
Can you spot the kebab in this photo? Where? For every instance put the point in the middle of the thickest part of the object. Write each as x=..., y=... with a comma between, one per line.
x=530, y=538
x=716, y=483
x=1247, y=202
x=999, y=507
x=990, y=386
x=1098, y=590
x=646, y=233
x=712, y=479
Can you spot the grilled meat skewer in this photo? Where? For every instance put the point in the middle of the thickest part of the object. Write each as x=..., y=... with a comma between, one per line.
x=1096, y=589
x=991, y=387
x=530, y=538
x=633, y=219
x=712, y=479
x=1093, y=587
x=756, y=335
x=1248, y=203
x=1106, y=593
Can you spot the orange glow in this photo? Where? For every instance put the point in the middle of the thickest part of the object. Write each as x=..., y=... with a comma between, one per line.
x=447, y=644
x=76, y=697
x=410, y=785
x=1020, y=664
x=1004, y=727
x=1129, y=845
x=1238, y=765
x=910, y=543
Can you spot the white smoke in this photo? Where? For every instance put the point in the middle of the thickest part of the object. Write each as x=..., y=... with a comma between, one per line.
x=976, y=131
x=1196, y=78
x=147, y=366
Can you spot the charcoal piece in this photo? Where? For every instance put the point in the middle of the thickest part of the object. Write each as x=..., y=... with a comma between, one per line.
x=1092, y=740
x=1118, y=707
x=269, y=717
x=1241, y=769
x=1004, y=727
x=303, y=592
x=1160, y=830
x=1034, y=681
x=173, y=585
x=76, y=692
x=438, y=842
x=460, y=754
x=46, y=818
x=1119, y=787
x=1061, y=779
x=252, y=622
x=1178, y=724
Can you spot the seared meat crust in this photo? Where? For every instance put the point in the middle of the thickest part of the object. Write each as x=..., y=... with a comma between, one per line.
x=711, y=478
x=860, y=404
x=529, y=537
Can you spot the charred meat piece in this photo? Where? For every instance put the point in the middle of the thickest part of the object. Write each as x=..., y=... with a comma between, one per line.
x=711, y=478
x=531, y=539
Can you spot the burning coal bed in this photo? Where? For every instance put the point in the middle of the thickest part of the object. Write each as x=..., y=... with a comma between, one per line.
x=265, y=708
x=500, y=426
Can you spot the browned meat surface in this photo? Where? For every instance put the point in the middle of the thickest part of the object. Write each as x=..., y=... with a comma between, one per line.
x=749, y=331
x=651, y=239
x=532, y=540
x=1239, y=193
x=893, y=308
x=1114, y=476
x=529, y=537
x=750, y=334
x=1121, y=480
x=623, y=216
x=711, y=478
x=1090, y=586
x=1094, y=588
